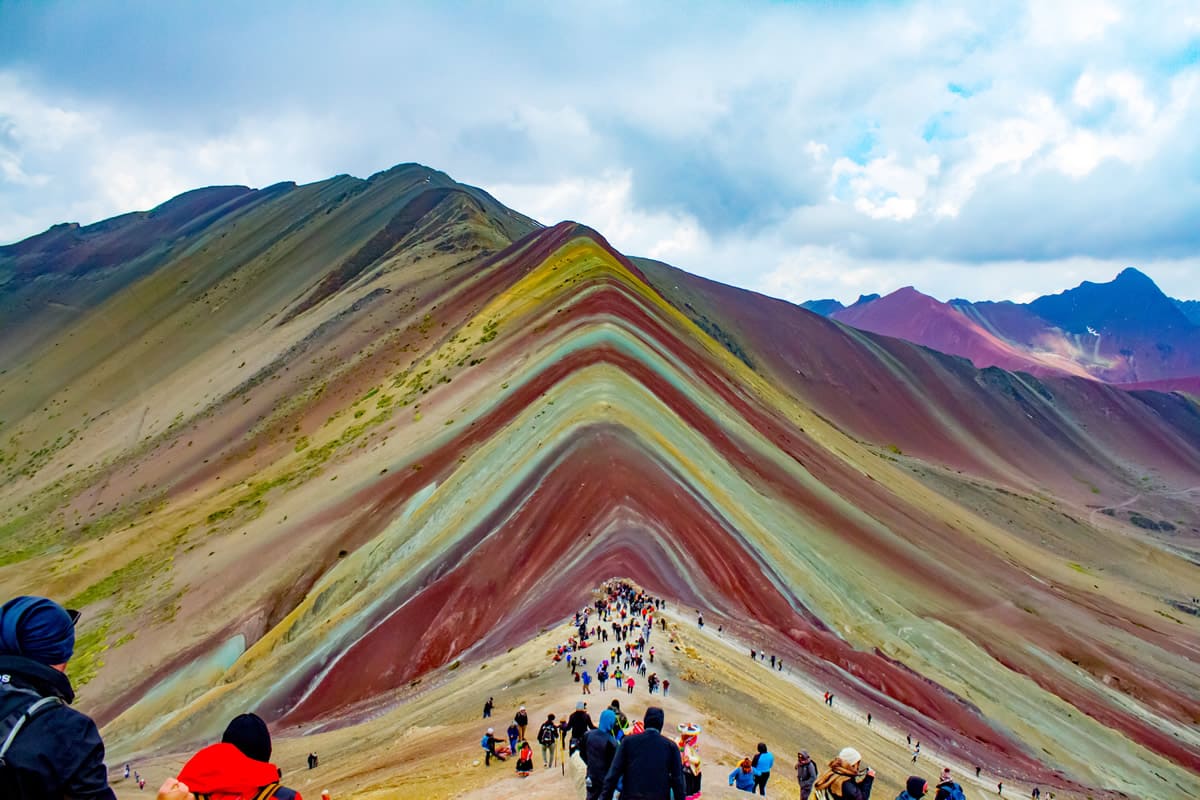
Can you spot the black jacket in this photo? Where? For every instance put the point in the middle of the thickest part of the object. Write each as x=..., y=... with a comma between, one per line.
x=580, y=722
x=597, y=752
x=651, y=768
x=59, y=752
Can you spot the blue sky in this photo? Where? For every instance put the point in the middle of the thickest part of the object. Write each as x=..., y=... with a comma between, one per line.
x=804, y=150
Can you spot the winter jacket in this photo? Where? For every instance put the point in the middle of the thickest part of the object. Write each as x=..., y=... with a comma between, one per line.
x=580, y=723
x=598, y=749
x=944, y=789
x=806, y=774
x=741, y=780
x=59, y=752
x=223, y=772
x=763, y=764
x=844, y=783
x=906, y=796
x=650, y=766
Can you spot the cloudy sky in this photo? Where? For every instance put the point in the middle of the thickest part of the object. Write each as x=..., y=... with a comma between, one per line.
x=986, y=150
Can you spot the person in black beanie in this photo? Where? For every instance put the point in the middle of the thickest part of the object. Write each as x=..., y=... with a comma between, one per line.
x=647, y=764
x=239, y=765
x=57, y=752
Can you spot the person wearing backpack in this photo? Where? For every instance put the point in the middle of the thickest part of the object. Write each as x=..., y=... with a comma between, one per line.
x=947, y=789
x=548, y=738
x=806, y=773
x=47, y=749
x=236, y=768
x=916, y=788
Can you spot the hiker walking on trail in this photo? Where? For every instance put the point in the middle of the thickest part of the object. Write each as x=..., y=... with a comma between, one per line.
x=522, y=720
x=586, y=680
x=548, y=737
x=806, y=773
x=666, y=687
x=689, y=752
x=597, y=751
x=487, y=707
x=947, y=789
x=916, y=788
x=239, y=765
x=629, y=685
x=313, y=760
x=58, y=751
x=742, y=777
x=647, y=764
x=762, y=763
x=579, y=723
x=514, y=734
x=846, y=778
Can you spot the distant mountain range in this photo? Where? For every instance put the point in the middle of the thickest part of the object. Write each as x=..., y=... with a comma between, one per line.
x=1126, y=331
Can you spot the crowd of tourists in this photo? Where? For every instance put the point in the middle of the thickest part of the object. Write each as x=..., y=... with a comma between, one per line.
x=49, y=750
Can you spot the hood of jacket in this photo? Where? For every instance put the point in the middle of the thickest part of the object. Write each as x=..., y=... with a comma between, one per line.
x=607, y=720
x=29, y=674
x=222, y=769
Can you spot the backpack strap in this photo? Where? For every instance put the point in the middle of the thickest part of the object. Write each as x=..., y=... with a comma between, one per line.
x=11, y=725
x=266, y=792
x=284, y=793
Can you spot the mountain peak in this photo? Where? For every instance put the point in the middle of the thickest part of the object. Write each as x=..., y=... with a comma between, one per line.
x=1131, y=276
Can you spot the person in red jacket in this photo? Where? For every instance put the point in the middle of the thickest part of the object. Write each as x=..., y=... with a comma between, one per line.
x=236, y=768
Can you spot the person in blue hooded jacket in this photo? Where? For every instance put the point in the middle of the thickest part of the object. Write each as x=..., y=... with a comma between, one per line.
x=742, y=777
x=597, y=751
x=761, y=767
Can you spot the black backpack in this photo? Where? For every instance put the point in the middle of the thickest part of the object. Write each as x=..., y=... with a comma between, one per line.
x=548, y=734
x=17, y=708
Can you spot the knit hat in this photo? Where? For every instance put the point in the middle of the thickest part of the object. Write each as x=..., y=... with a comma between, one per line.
x=491, y=730
x=850, y=756
x=580, y=706
x=248, y=733
x=38, y=629
x=654, y=718
x=917, y=787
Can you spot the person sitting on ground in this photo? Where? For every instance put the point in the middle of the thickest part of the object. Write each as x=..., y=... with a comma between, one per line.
x=647, y=764
x=597, y=751
x=846, y=778
x=238, y=766
x=742, y=777
x=58, y=751
x=916, y=788
x=947, y=789
x=524, y=759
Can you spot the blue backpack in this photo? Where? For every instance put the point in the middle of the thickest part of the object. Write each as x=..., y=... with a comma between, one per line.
x=954, y=792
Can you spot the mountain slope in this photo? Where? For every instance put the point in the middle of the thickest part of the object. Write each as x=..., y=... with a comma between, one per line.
x=389, y=436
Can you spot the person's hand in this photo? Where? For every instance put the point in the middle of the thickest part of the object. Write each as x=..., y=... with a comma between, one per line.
x=172, y=789
x=870, y=773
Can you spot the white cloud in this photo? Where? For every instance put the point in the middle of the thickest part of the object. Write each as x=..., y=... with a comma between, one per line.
x=883, y=188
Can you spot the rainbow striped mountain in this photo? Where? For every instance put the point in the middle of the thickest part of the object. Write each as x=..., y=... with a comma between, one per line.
x=336, y=451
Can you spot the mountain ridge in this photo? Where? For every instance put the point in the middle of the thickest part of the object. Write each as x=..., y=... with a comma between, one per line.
x=445, y=451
